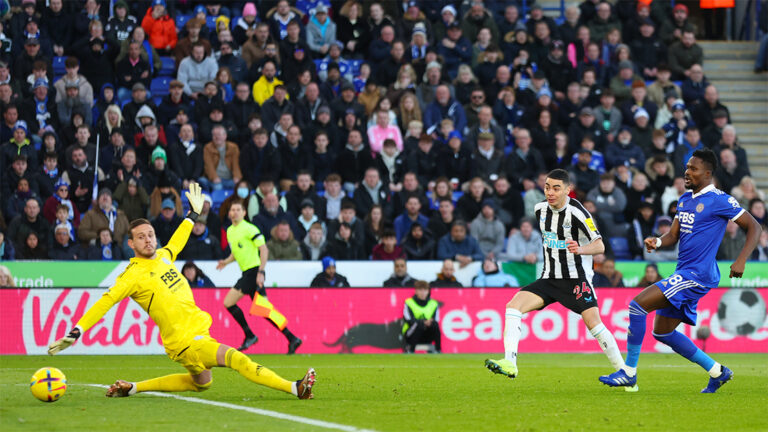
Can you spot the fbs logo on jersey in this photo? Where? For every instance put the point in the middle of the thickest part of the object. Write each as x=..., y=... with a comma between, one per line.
x=590, y=224
x=551, y=241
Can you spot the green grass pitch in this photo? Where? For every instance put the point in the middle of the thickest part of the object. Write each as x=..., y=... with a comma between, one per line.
x=554, y=392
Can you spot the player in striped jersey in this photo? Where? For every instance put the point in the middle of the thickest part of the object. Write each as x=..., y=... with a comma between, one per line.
x=570, y=239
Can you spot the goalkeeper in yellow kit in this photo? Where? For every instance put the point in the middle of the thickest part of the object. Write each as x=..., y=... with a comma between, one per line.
x=153, y=282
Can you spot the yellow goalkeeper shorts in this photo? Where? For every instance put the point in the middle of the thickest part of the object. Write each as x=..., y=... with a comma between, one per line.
x=199, y=355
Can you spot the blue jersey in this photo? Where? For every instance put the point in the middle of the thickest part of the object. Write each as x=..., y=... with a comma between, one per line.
x=702, y=218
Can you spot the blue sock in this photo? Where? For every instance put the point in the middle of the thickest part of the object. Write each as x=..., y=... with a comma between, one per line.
x=636, y=333
x=686, y=348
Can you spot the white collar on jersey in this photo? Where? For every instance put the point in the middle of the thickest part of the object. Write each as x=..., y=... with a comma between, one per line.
x=708, y=188
x=567, y=200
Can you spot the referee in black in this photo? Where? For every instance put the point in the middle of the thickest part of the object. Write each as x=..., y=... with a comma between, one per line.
x=570, y=238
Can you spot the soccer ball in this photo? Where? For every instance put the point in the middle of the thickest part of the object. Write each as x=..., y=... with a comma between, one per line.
x=741, y=311
x=48, y=384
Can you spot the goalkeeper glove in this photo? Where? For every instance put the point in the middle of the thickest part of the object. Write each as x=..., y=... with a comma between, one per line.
x=196, y=201
x=64, y=342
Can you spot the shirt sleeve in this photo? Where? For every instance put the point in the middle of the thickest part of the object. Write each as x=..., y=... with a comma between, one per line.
x=256, y=236
x=727, y=207
x=119, y=291
x=586, y=224
x=179, y=239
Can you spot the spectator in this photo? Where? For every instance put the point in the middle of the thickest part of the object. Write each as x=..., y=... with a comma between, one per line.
x=642, y=227
x=411, y=215
x=344, y=245
x=761, y=252
x=33, y=248
x=441, y=108
x=683, y=54
x=470, y=204
x=63, y=247
x=757, y=209
x=133, y=199
x=458, y=246
x=184, y=45
x=746, y=191
x=321, y=31
x=607, y=116
x=328, y=277
x=509, y=203
x=455, y=161
x=353, y=161
x=400, y=277
x=30, y=222
x=422, y=319
x=704, y=112
x=388, y=249
x=105, y=248
x=276, y=107
x=446, y=277
x=314, y=242
x=607, y=276
x=282, y=245
x=440, y=223
x=586, y=125
x=383, y=131
x=523, y=245
x=166, y=222
x=131, y=70
x=24, y=63
x=294, y=158
x=72, y=75
x=195, y=276
x=160, y=28
x=80, y=178
x=648, y=51
x=638, y=100
x=419, y=244
x=16, y=170
x=729, y=174
x=674, y=30
x=733, y=240
x=586, y=176
x=624, y=151
x=271, y=214
x=684, y=152
x=221, y=159
x=59, y=198
x=524, y=162
x=658, y=90
x=491, y=276
x=603, y=21
x=17, y=200
x=610, y=202
x=120, y=25
x=196, y=70
x=651, y=276
x=488, y=230
x=105, y=215
x=372, y=191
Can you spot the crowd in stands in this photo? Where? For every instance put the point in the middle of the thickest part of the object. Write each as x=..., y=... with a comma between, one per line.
x=353, y=130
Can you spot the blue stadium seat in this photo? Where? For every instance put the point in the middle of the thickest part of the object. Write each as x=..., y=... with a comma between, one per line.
x=219, y=196
x=181, y=20
x=159, y=86
x=620, y=247
x=58, y=66
x=157, y=100
x=168, y=66
x=210, y=22
x=457, y=195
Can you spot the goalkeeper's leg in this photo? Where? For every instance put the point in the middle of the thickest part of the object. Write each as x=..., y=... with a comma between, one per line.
x=234, y=359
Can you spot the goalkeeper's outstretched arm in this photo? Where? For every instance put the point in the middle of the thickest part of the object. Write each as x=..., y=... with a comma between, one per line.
x=181, y=236
x=89, y=319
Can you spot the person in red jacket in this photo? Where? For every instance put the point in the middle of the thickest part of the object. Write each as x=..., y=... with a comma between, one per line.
x=387, y=249
x=160, y=28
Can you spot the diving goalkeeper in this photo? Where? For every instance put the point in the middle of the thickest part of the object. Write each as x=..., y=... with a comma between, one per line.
x=153, y=282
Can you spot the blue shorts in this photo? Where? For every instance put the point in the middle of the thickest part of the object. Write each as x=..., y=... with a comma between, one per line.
x=684, y=294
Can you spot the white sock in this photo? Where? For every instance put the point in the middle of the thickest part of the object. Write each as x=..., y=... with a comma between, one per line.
x=295, y=388
x=512, y=329
x=629, y=370
x=716, y=370
x=608, y=345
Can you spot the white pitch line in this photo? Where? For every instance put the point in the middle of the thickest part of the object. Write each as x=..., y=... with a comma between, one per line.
x=258, y=411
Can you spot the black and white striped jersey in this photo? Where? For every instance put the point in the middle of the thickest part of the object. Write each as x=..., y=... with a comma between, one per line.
x=572, y=222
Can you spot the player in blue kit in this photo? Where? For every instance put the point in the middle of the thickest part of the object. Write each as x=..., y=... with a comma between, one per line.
x=702, y=214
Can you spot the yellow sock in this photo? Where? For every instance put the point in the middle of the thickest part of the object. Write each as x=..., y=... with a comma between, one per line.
x=171, y=383
x=255, y=372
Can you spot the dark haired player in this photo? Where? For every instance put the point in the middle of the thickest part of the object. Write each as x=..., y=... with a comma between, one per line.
x=152, y=281
x=702, y=214
x=570, y=239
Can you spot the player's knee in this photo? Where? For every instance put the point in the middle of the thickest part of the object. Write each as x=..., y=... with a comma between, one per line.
x=662, y=337
x=203, y=387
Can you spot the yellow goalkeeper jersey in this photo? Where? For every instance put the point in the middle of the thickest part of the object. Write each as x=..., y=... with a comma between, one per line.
x=162, y=291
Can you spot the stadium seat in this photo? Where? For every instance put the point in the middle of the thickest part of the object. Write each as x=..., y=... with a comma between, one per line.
x=219, y=196
x=160, y=85
x=157, y=100
x=181, y=20
x=168, y=67
x=210, y=22
x=620, y=247
x=58, y=66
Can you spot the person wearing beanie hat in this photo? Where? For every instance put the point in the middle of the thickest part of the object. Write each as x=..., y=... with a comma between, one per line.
x=249, y=249
x=159, y=152
x=245, y=27
x=487, y=229
x=328, y=277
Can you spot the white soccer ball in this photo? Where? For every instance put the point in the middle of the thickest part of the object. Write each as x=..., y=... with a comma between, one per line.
x=741, y=311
